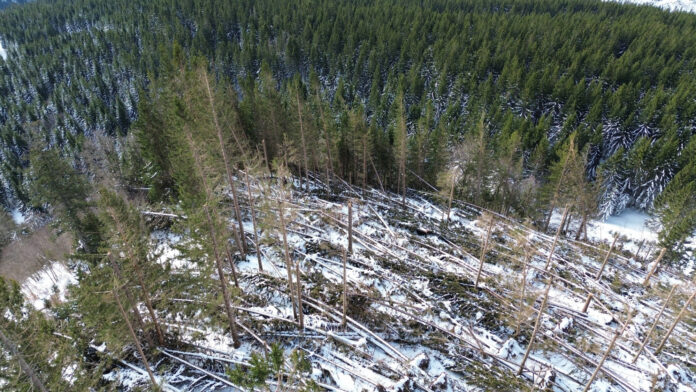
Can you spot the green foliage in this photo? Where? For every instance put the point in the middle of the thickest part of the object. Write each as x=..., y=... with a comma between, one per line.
x=547, y=69
x=274, y=366
x=54, y=182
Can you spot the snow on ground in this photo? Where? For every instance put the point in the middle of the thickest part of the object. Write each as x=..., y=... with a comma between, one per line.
x=3, y=52
x=631, y=223
x=49, y=283
x=672, y=5
x=17, y=215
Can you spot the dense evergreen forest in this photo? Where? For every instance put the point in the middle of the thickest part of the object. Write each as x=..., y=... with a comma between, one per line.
x=497, y=97
x=348, y=195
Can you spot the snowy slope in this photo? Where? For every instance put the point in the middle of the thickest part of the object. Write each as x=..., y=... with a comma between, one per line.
x=672, y=5
x=416, y=320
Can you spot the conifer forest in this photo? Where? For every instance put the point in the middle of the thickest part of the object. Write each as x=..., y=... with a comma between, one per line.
x=334, y=195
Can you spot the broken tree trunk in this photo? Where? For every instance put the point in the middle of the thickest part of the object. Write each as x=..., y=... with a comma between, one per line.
x=588, y=301
x=654, y=324
x=654, y=267
x=536, y=326
x=606, y=258
x=674, y=324
x=484, y=249
x=606, y=354
x=26, y=368
x=555, y=240
x=583, y=222
x=138, y=346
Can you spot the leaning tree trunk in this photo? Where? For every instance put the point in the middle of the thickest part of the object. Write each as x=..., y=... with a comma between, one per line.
x=138, y=346
x=536, y=327
x=26, y=368
x=253, y=220
x=239, y=236
x=216, y=250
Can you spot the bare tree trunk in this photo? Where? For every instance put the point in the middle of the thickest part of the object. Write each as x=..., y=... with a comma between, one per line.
x=302, y=138
x=129, y=297
x=141, y=279
x=484, y=249
x=143, y=358
x=253, y=220
x=640, y=246
x=26, y=368
x=536, y=327
x=606, y=258
x=558, y=185
x=288, y=263
x=555, y=240
x=654, y=324
x=223, y=282
x=364, y=165
x=298, y=286
x=230, y=260
x=523, y=287
x=329, y=163
x=213, y=238
x=148, y=305
x=654, y=268
x=606, y=355
x=674, y=324
x=583, y=222
x=381, y=186
x=350, y=227
x=345, y=289
x=588, y=301
x=265, y=155
x=239, y=237
x=451, y=196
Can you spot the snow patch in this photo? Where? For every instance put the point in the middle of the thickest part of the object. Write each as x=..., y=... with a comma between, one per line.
x=671, y=5
x=16, y=214
x=48, y=283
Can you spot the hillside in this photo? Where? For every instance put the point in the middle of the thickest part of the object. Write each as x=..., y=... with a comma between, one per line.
x=416, y=319
x=617, y=78
x=329, y=195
